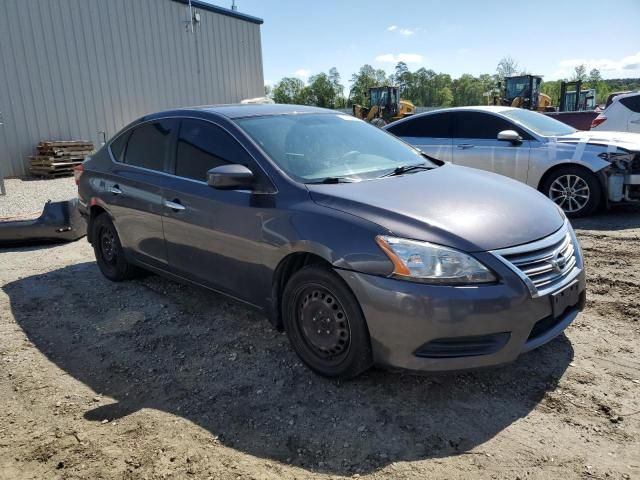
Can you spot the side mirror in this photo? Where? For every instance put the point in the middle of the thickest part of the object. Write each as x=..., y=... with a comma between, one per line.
x=510, y=136
x=230, y=177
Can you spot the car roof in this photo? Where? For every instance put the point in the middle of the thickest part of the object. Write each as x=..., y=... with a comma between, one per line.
x=476, y=108
x=233, y=111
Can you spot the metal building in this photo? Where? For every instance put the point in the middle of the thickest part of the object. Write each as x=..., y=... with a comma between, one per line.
x=72, y=68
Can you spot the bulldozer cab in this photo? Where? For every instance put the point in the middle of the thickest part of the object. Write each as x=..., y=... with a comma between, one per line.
x=522, y=91
x=385, y=98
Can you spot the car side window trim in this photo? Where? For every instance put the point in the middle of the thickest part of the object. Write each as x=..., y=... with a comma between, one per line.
x=172, y=159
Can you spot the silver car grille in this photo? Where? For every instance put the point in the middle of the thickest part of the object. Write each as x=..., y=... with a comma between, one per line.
x=545, y=264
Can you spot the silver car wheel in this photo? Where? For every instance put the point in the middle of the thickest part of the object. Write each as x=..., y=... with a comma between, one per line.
x=570, y=192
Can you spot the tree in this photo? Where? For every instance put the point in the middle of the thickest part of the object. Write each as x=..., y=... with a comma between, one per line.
x=364, y=79
x=601, y=87
x=288, y=90
x=268, y=89
x=334, y=78
x=321, y=91
x=594, y=76
x=507, y=67
x=444, y=97
x=580, y=73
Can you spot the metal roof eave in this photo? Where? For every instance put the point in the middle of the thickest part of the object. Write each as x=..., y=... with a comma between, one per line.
x=221, y=10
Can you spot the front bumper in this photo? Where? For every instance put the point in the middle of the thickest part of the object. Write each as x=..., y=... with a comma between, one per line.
x=409, y=323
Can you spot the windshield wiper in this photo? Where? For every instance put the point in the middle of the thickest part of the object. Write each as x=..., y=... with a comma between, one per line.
x=406, y=168
x=333, y=180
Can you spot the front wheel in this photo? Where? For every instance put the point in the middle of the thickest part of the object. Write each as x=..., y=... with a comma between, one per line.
x=325, y=325
x=575, y=190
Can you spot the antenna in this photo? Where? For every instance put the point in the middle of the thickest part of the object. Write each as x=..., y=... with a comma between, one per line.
x=191, y=16
x=234, y=7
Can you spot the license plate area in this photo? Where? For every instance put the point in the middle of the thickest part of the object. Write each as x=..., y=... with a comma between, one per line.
x=566, y=298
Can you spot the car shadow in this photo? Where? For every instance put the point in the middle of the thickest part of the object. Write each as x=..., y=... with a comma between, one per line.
x=620, y=217
x=153, y=343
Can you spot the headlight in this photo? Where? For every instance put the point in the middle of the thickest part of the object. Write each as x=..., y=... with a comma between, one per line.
x=429, y=263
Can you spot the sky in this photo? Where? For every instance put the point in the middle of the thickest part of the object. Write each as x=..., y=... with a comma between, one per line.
x=549, y=38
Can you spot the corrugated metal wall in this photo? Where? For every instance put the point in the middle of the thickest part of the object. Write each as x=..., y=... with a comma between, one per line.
x=70, y=68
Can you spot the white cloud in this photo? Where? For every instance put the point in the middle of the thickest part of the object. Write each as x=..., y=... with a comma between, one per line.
x=462, y=51
x=392, y=28
x=302, y=73
x=408, y=58
x=621, y=66
x=407, y=32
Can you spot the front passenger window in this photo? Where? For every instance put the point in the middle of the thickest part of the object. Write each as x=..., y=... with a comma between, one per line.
x=482, y=126
x=203, y=146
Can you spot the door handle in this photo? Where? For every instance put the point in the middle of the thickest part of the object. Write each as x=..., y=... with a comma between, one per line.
x=634, y=121
x=115, y=189
x=175, y=205
x=464, y=146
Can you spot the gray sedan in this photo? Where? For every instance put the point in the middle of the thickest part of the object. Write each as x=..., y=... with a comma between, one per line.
x=578, y=170
x=357, y=245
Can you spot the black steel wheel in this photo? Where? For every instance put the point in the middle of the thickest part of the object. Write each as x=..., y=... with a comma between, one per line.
x=325, y=324
x=108, y=250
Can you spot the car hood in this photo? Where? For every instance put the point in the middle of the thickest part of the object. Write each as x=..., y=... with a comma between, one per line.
x=456, y=206
x=626, y=140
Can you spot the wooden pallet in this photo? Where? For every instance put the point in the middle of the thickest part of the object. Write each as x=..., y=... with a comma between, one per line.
x=51, y=174
x=52, y=161
x=58, y=158
x=65, y=148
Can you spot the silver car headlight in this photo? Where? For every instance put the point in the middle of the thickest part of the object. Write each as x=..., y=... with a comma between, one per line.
x=429, y=263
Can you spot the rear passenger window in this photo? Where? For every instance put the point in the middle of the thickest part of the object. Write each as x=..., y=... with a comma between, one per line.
x=632, y=103
x=149, y=145
x=435, y=125
x=483, y=125
x=203, y=146
x=118, y=145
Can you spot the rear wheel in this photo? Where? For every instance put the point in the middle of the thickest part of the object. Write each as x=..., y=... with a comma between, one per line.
x=108, y=250
x=324, y=323
x=574, y=189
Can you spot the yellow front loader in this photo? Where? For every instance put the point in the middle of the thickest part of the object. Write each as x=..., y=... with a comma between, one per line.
x=384, y=106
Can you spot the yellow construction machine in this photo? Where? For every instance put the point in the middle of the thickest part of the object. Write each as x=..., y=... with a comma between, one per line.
x=523, y=91
x=384, y=106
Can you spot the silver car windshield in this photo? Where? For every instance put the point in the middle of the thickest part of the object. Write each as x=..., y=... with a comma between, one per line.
x=539, y=123
x=316, y=147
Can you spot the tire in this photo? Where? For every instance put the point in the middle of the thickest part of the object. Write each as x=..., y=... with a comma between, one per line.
x=378, y=122
x=574, y=189
x=108, y=250
x=316, y=297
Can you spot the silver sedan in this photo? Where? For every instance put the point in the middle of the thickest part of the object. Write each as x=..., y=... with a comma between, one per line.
x=579, y=171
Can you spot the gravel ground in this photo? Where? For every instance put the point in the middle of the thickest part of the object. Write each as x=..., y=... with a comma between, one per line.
x=27, y=197
x=153, y=379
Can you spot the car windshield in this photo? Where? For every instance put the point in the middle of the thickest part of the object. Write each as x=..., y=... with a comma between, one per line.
x=539, y=123
x=320, y=147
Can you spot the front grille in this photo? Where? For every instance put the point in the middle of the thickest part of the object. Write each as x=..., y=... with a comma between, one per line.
x=544, y=263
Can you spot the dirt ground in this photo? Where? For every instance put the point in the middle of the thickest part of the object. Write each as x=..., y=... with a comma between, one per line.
x=152, y=379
